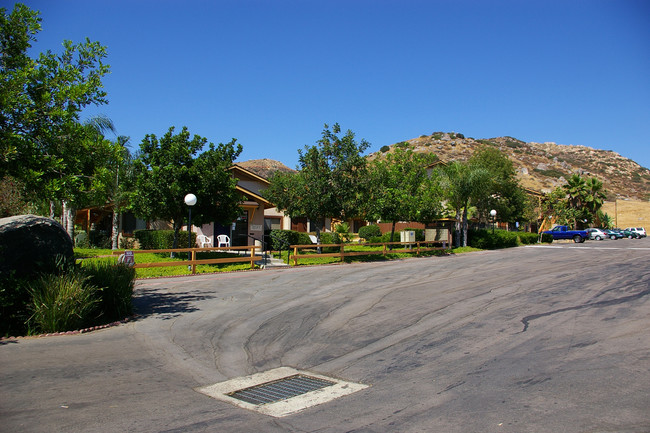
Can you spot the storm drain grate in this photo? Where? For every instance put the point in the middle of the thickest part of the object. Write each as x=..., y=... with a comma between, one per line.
x=282, y=389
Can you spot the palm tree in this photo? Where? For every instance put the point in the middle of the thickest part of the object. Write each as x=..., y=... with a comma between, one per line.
x=594, y=196
x=464, y=184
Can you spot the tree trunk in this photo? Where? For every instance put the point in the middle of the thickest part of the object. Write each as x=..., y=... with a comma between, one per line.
x=114, y=230
x=465, y=226
x=392, y=234
x=51, y=209
x=458, y=226
x=68, y=218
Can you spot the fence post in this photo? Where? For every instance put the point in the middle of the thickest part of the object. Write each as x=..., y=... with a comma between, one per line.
x=193, y=259
x=342, y=252
x=295, y=256
x=252, y=247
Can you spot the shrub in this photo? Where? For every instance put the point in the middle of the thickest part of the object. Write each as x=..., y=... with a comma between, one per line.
x=384, y=149
x=528, y=238
x=547, y=238
x=116, y=283
x=370, y=231
x=99, y=239
x=81, y=240
x=14, y=305
x=343, y=231
x=281, y=239
x=488, y=240
x=437, y=135
x=161, y=239
x=62, y=302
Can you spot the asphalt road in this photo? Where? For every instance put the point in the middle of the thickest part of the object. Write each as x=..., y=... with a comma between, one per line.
x=531, y=339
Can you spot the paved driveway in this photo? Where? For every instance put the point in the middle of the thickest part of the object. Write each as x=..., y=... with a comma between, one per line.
x=531, y=339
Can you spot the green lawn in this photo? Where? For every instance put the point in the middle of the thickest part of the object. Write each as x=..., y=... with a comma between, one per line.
x=182, y=269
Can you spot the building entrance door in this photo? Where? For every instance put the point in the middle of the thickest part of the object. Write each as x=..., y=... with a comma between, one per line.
x=240, y=231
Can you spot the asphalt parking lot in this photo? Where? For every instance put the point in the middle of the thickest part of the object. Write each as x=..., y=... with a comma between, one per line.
x=531, y=339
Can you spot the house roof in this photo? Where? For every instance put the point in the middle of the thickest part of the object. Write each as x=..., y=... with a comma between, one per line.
x=258, y=198
x=241, y=172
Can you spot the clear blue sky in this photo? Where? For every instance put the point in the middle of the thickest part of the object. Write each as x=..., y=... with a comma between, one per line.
x=271, y=72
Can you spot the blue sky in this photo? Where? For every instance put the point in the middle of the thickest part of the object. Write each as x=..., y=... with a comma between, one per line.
x=271, y=72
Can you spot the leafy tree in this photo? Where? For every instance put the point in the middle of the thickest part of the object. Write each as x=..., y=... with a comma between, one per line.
x=400, y=189
x=504, y=193
x=585, y=197
x=169, y=168
x=464, y=185
x=329, y=181
x=594, y=197
x=41, y=138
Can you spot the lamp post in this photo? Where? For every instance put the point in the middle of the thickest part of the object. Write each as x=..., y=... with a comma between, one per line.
x=190, y=200
x=493, y=214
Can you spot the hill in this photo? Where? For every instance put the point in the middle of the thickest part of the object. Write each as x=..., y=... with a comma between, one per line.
x=543, y=166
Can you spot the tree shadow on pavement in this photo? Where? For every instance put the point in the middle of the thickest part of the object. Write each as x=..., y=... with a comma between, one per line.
x=151, y=302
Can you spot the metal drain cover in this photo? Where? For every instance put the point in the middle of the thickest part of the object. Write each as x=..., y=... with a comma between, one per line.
x=281, y=391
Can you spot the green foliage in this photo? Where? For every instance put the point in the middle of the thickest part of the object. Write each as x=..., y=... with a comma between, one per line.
x=526, y=238
x=62, y=302
x=171, y=167
x=437, y=135
x=161, y=239
x=343, y=231
x=384, y=149
x=99, y=239
x=547, y=238
x=14, y=305
x=116, y=283
x=369, y=231
x=12, y=197
x=330, y=181
x=400, y=189
x=81, y=240
x=282, y=239
x=42, y=143
x=403, y=145
x=487, y=240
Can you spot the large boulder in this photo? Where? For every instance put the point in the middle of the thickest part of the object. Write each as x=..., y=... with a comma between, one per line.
x=30, y=244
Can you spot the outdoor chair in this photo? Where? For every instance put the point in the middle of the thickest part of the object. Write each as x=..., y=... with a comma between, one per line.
x=223, y=240
x=204, y=241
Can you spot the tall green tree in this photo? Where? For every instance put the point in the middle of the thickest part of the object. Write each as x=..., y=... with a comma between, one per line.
x=503, y=193
x=170, y=167
x=41, y=137
x=329, y=180
x=464, y=185
x=400, y=189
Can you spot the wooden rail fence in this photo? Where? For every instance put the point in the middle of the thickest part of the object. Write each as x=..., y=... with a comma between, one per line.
x=193, y=260
x=420, y=246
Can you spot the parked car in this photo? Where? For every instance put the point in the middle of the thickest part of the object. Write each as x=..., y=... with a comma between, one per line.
x=640, y=230
x=613, y=234
x=596, y=234
x=628, y=234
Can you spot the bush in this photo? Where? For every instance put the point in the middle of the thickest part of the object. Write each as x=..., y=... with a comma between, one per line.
x=281, y=239
x=547, y=238
x=14, y=306
x=81, y=240
x=487, y=240
x=384, y=149
x=368, y=232
x=528, y=238
x=62, y=302
x=161, y=239
x=99, y=239
x=116, y=283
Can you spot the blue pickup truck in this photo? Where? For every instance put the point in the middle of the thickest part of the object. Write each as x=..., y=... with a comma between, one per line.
x=563, y=232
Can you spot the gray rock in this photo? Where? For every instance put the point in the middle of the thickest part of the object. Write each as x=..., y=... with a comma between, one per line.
x=30, y=244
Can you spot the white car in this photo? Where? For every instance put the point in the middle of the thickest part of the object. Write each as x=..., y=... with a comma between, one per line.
x=597, y=234
x=639, y=230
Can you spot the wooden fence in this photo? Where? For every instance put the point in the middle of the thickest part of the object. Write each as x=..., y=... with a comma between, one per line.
x=413, y=247
x=250, y=257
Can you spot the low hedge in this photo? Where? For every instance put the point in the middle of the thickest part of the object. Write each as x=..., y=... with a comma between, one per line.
x=369, y=232
x=161, y=239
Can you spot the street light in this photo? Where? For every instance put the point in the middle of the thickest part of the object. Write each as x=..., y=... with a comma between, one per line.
x=190, y=200
x=493, y=214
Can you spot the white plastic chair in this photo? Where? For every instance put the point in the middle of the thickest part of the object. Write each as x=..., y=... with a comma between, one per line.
x=203, y=241
x=223, y=240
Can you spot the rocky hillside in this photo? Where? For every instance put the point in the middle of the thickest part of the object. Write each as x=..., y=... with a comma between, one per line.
x=264, y=167
x=544, y=166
